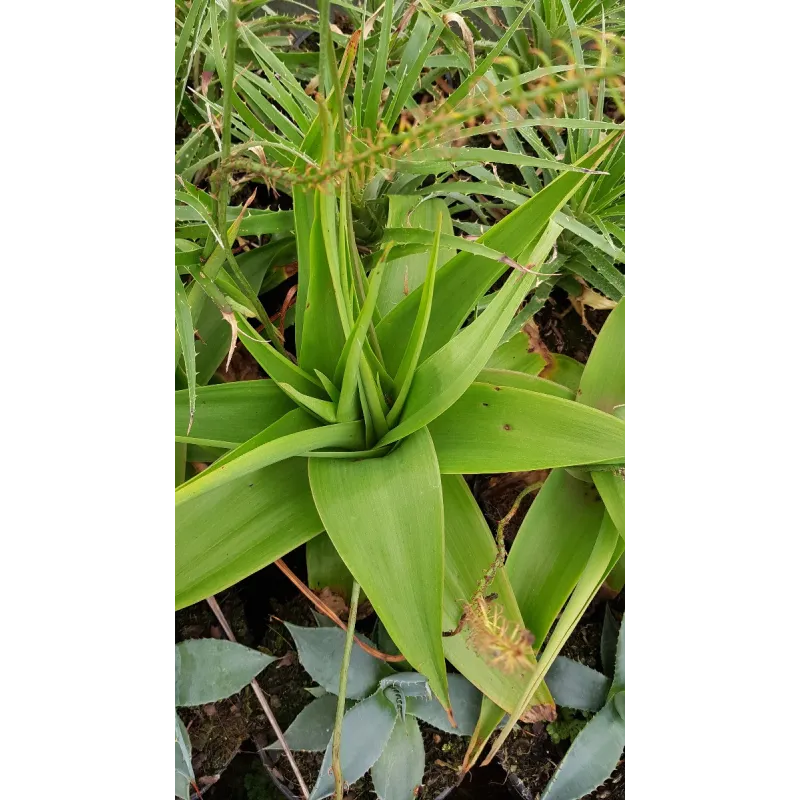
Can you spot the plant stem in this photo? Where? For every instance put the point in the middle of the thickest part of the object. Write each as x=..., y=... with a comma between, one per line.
x=337, y=727
x=212, y=601
x=331, y=615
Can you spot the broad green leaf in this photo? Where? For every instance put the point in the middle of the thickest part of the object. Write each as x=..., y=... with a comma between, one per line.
x=577, y=686
x=546, y=560
x=603, y=380
x=492, y=428
x=397, y=774
x=294, y=421
x=603, y=386
x=552, y=547
x=441, y=379
x=612, y=489
x=324, y=409
x=470, y=550
x=463, y=280
x=247, y=459
x=326, y=568
x=312, y=727
x=591, y=759
x=522, y=380
x=404, y=275
x=385, y=518
x=466, y=700
x=515, y=355
x=232, y=412
x=183, y=321
x=227, y=534
x=604, y=554
x=213, y=669
x=564, y=370
x=323, y=335
x=278, y=367
x=365, y=731
x=321, y=651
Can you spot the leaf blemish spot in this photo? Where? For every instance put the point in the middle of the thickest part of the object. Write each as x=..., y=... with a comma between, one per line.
x=497, y=388
x=485, y=405
x=506, y=427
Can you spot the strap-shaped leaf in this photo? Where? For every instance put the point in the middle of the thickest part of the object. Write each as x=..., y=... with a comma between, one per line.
x=323, y=336
x=247, y=458
x=227, y=534
x=410, y=218
x=278, y=367
x=470, y=551
x=603, y=380
x=324, y=409
x=612, y=489
x=546, y=560
x=492, y=428
x=446, y=375
x=577, y=686
x=522, y=380
x=385, y=518
x=326, y=568
x=366, y=729
x=397, y=774
x=604, y=555
x=552, y=547
x=213, y=669
x=591, y=759
x=321, y=651
x=408, y=366
x=463, y=280
x=348, y=366
x=183, y=323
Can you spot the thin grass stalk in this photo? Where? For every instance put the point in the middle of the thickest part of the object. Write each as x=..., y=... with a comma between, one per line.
x=337, y=726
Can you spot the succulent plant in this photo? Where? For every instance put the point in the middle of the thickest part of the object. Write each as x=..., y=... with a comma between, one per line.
x=207, y=670
x=380, y=732
x=597, y=748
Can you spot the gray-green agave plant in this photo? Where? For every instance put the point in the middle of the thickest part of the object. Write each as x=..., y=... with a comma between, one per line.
x=597, y=748
x=206, y=671
x=380, y=732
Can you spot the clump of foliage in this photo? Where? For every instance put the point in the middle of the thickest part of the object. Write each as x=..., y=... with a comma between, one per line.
x=397, y=381
x=379, y=733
